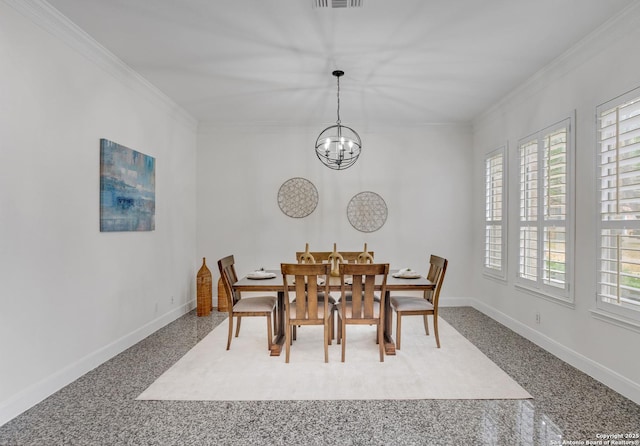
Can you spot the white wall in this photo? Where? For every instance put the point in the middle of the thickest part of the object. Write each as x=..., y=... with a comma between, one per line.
x=70, y=296
x=422, y=173
x=601, y=67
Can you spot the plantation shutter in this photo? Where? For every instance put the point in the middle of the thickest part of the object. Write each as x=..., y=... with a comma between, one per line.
x=545, y=191
x=494, y=260
x=619, y=195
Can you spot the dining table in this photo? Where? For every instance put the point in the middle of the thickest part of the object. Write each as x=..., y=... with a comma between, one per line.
x=264, y=283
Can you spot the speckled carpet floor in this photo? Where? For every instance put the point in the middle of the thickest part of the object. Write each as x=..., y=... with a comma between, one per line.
x=458, y=370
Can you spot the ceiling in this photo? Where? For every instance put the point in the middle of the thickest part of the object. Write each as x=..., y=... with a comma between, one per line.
x=270, y=61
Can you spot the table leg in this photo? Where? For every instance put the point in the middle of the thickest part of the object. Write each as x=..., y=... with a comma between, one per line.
x=389, y=343
x=278, y=341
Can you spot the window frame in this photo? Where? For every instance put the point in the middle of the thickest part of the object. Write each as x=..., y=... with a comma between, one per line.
x=537, y=286
x=488, y=271
x=616, y=313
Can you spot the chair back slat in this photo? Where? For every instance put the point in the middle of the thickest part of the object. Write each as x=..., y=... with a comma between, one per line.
x=301, y=304
x=312, y=299
x=369, y=289
x=356, y=296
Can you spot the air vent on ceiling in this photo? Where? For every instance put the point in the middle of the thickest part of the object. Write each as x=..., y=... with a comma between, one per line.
x=337, y=3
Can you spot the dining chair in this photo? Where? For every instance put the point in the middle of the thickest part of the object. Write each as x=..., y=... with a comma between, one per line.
x=363, y=308
x=422, y=306
x=318, y=257
x=358, y=257
x=240, y=307
x=307, y=308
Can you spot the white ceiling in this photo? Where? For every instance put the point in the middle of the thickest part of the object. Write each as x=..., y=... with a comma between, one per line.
x=270, y=61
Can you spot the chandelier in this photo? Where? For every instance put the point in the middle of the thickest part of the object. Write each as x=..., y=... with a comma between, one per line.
x=338, y=146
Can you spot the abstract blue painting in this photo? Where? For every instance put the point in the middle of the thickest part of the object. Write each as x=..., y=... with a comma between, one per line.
x=127, y=189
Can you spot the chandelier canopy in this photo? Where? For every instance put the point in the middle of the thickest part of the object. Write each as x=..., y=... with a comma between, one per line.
x=338, y=146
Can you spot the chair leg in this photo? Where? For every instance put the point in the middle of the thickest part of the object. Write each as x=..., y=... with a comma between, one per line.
x=398, y=330
x=287, y=341
x=294, y=332
x=275, y=320
x=426, y=324
x=343, y=336
x=334, y=316
x=238, y=326
x=327, y=339
x=435, y=329
x=269, y=332
x=339, y=330
x=230, y=332
x=334, y=320
x=380, y=341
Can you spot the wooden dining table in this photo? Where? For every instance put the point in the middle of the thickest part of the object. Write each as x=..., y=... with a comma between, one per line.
x=276, y=285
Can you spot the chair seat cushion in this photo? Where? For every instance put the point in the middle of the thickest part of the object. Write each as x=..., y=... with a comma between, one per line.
x=257, y=303
x=410, y=303
x=349, y=309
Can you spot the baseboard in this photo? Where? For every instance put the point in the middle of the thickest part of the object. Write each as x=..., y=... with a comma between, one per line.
x=606, y=376
x=29, y=397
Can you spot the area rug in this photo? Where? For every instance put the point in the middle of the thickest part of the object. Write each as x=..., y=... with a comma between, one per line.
x=458, y=370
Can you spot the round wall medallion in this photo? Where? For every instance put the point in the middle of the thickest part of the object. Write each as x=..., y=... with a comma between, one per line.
x=297, y=197
x=367, y=212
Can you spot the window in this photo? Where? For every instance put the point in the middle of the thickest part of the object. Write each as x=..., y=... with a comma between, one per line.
x=495, y=215
x=545, y=226
x=618, y=140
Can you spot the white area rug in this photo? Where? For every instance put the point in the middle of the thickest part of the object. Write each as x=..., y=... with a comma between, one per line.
x=458, y=370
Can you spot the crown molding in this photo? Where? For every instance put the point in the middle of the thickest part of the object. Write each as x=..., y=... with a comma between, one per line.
x=362, y=127
x=595, y=42
x=54, y=22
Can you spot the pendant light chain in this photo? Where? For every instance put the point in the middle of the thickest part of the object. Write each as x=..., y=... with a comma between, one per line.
x=338, y=78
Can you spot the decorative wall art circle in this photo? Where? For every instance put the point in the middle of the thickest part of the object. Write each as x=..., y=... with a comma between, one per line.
x=367, y=212
x=297, y=197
